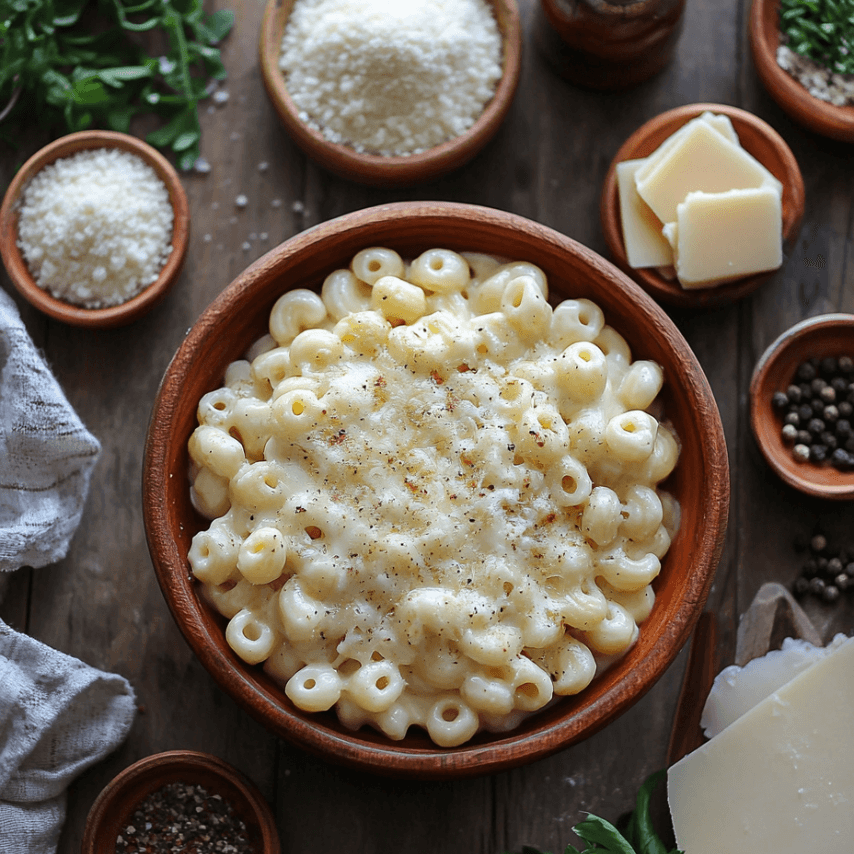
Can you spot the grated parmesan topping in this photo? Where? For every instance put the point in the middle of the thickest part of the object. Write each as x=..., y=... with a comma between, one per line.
x=95, y=228
x=390, y=77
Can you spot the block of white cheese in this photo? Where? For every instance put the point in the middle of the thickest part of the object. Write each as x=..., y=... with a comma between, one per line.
x=645, y=244
x=701, y=160
x=728, y=235
x=780, y=778
x=737, y=690
x=715, y=121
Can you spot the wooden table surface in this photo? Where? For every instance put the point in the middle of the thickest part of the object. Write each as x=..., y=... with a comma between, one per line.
x=102, y=603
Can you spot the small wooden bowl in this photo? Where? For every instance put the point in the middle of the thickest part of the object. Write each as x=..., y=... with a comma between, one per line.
x=16, y=266
x=811, y=112
x=115, y=805
x=240, y=315
x=824, y=335
x=758, y=139
x=375, y=169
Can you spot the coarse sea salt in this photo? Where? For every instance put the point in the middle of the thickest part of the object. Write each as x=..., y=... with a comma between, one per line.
x=95, y=228
x=389, y=77
x=818, y=80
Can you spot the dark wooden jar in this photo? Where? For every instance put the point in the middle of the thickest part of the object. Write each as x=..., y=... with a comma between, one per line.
x=609, y=44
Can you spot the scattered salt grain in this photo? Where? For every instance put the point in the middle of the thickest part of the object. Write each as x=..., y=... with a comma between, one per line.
x=246, y=246
x=388, y=77
x=202, y=165
x=276, y=203
x=297, y=207
x=220, y=97
x=263, y=166
x=241, y=201
x=818, y=80
x=95, y=228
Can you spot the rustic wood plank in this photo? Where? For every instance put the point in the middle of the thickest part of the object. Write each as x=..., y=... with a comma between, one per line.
x=102, y=603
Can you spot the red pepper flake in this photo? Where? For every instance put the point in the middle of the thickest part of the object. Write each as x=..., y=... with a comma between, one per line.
x=436, y=377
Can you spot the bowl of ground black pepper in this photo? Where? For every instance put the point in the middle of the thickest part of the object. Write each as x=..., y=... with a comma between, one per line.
x=389, y=93
x=180, y=801
x=802, y=406
x=814, y=95
x=94, y=228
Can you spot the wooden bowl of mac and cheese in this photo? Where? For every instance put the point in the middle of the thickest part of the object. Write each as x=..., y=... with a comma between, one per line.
x=433, y=490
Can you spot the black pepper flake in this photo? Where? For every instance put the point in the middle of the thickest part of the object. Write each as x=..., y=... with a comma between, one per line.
x=183, y=818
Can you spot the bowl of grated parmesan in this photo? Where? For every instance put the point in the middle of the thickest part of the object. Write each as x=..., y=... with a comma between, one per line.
x=389, y=93
x=94, y=228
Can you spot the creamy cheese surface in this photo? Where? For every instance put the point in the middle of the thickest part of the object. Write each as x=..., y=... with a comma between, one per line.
x=434, y=496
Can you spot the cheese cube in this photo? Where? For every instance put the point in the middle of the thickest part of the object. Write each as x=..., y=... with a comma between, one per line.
x=778, y=779
x=724, y=236
x=701, y=160
x=645, y=244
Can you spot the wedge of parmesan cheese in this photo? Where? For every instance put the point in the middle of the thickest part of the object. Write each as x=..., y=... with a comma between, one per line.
x=779, y=779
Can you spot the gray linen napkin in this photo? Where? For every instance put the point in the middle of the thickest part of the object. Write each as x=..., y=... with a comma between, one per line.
x=58, y=715
x=46, y=454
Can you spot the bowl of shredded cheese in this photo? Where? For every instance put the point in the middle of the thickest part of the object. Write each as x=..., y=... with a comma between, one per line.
x=94, y=228
x=433, y=490
x=391, y=93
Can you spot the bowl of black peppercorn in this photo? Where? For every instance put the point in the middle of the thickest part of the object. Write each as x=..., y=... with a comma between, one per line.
x=802, y=406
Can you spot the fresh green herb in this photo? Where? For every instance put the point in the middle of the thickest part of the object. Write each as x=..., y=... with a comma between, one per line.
x=822, y=30
x=638, y=837
x=75, y=64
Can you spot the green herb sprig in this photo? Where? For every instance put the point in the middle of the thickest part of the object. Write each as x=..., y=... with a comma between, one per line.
x=822, y=30
x=76, y=64
x=602, y=837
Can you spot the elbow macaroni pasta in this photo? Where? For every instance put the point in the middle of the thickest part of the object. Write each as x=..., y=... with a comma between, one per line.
x=434, y=497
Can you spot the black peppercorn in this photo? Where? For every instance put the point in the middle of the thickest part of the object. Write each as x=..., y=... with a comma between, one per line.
x=792, y=418
x=780, y=400
x=793, y=393
x=830, y=593
x=817, y=586
x=830, y=414
x=839, y=385
x=829, y=366
x=818, y=543
x=828, y=440
x=801, y=452
x=846, y=409
x=806, y=372
x=815, y=426
x=805, y=412
x=846, y=364
x=789, y=434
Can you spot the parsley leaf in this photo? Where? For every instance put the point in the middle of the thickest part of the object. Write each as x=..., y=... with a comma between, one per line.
x=75, y=64
x=822, y=30
x=601, y=836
